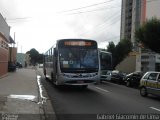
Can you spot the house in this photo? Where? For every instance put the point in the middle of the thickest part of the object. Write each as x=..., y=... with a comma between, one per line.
x=5, y=41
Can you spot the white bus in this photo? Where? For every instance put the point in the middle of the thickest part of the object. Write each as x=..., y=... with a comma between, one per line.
x=106, y=65
x=73, y=62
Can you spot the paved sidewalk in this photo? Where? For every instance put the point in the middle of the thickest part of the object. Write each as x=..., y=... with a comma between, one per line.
x=21, y=96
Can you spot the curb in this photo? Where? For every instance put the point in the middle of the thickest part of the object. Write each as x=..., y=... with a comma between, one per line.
x=46, y=109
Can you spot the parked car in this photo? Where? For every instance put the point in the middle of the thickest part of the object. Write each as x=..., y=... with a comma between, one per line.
x=106, y=75
x=117, y=77
x=18, y=65
x=11, y=66
x=150, y=84
x=133, y=79
x=40, y=65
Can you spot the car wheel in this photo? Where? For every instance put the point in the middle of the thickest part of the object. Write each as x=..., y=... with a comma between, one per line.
x=128, y=84
x=143, y=91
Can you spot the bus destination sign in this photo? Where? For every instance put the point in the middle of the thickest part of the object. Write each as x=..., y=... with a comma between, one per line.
x=77, y=43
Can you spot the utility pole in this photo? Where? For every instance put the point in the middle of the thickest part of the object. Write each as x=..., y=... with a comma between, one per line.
x=14, y=39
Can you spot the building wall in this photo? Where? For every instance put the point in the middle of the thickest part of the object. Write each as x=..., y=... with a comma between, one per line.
x=123, y=16
x=21, y=58
x=152, y=9
x=3, y=55
x=128, y=65
x=126, y=19
x=12, y=54
x=4, y=28
x=27, y=59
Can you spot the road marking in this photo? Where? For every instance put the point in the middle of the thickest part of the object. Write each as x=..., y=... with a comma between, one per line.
x=155, y=108
x=102, y=89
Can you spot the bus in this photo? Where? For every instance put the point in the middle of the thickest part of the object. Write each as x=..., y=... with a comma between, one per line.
x=105, y=64
x=73, y=62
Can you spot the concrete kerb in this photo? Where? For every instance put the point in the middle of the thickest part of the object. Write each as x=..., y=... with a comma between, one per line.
x=46, y=106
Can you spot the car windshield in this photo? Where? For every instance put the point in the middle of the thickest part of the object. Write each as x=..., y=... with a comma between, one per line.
x=78, y=59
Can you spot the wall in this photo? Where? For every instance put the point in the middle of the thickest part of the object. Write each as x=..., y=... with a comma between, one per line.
x=152, y=9
x=12, y=54
x=4, y=28
x=128, y=65
x=3, y=55
x=21, y=58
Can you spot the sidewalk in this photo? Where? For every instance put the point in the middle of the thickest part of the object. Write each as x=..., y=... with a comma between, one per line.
x=22, y=97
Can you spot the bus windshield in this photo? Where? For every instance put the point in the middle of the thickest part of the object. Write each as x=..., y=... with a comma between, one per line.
x=79, y=59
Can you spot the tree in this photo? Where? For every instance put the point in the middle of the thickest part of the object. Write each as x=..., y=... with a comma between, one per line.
x=148, y=34
x=120, y=51
x=34, y=54
x=111, y=47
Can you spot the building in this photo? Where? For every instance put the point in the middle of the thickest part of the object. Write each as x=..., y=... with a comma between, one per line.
x=133, y=14
x=27, y=59
x=5, y=41
x=24, y=59
x=3, y=55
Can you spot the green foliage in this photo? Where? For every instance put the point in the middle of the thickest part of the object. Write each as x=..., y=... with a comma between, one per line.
x=111, y=47
x=35, y=56
x=149, y=34
x=119, y=51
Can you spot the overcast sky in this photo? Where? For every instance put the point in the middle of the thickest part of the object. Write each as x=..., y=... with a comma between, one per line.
x=39, y=23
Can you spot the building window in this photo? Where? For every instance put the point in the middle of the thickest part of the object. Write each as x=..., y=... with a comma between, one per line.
x=4, y=45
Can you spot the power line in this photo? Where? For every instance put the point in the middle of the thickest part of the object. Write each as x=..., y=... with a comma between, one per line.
x=86, y=6
x=102, y=26
x=92, y=10
x=107, y=39
x=26, y=18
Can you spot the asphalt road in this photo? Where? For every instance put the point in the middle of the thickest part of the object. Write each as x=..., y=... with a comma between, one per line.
x=99, y=101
